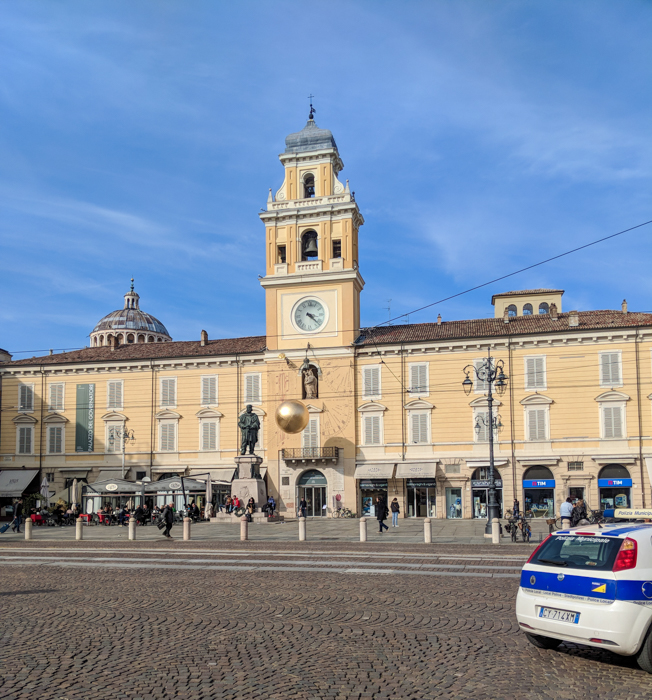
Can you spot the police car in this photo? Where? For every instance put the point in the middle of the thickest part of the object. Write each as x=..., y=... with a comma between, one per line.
x=592, y=585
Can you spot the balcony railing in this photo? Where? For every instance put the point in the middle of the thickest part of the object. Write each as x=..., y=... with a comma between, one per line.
x=311, y=454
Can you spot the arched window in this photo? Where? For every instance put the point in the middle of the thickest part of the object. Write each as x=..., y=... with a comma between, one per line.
x=312, y=477
x=101, y=340
x=544, y=308
x=121, y=338
x=141, y=338
x=482, y=474
x=309, y=186
x=309, y=248
x=538, y=473
x=511, y=310
x=613, y=471
x=150, y=338
x=130, y=338
x=527, y=309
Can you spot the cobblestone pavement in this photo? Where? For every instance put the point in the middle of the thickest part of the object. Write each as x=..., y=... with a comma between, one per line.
x=162, y=620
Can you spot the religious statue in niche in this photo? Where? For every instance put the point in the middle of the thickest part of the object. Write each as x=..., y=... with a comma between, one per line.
x=310, y=382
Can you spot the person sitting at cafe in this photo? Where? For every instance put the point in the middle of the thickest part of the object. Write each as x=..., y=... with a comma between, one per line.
x=123, y=515
x=139, y=515
x=147, y=515
x=57, y=514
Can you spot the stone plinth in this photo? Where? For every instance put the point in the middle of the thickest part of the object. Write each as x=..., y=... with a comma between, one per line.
x=245, y=489
x=248, y=468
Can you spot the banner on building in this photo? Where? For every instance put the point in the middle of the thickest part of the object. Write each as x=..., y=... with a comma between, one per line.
x=85, y=428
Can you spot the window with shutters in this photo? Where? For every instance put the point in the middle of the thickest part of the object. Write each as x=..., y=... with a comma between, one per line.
x=114, y=437
x=209, y=390
x=55, y=440
x=168, y=392
x=372, y=430
x=26, y=398
x=613, y=422
x=167, y=436
x=209, y=433
x=371, y=382
x=481, y=432
x=24, y=438
x=310, y=435
x=418, y=379
x=610, y=369
x=535, y=372
x=55, y=402
x=252, y=388
x=537, y=424
x=419, y=422
x=114, y=394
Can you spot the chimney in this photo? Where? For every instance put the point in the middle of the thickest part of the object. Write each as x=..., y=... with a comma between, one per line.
x=113, y=342
x=439, y=319
x=553, y=312
x=51, y=351
x=506, y=315
x=624, y=306
x=573, y=319
x=204, y=338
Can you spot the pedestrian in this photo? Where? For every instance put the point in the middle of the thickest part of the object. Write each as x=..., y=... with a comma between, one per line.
x=168, y=519
x=566, y=513
x=516, y=509
x=579, y=515
x=251, y=509
x=396, y=509
x=18, y=515
x=271, y=505
x=303, y=508
x=381, y=514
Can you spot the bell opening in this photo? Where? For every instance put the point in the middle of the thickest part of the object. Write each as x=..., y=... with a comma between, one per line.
x=309, y=248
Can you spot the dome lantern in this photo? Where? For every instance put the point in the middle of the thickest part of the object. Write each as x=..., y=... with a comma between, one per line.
x=129, y=325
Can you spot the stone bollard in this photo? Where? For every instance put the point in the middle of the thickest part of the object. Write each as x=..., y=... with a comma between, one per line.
x=28, y=528
x=132, y=528
x=363, y=529
x=244, y=529
x=495, y=531
x=186, y=529
x=427, y=531
x=302, y=529
x=79, y=529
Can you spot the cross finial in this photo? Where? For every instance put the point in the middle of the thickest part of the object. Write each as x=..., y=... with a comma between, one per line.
x=312, y=109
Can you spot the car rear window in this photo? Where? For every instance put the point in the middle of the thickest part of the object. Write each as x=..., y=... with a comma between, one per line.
x=579, y=552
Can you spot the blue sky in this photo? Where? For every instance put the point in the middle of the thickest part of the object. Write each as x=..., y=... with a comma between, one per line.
x=141, y=138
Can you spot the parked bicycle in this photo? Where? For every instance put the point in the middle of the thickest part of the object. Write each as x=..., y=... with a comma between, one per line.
x=343, y=513
x=519, y=524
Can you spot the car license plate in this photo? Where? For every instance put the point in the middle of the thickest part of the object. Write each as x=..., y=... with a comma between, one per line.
x=559, y=615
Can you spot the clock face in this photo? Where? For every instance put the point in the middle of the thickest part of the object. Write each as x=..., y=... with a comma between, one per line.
x=309, y=315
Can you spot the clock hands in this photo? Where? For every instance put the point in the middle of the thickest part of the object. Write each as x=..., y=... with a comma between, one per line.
x=311, y=316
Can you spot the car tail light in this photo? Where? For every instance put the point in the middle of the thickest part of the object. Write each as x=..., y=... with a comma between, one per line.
x=538, y=548
x=627, y=553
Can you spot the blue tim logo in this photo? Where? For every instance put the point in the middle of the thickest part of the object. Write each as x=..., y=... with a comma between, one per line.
x=647, y=589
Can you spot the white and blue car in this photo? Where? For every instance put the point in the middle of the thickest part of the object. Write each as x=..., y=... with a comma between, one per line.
x=592, y=585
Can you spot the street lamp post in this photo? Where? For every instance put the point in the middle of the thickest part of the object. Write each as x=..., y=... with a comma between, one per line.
x=123, y=435
x=492, y=373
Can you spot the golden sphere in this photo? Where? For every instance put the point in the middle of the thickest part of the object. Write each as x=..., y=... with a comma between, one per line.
x=292, y=416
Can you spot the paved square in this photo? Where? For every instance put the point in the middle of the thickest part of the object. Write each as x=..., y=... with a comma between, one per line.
x=159, y=620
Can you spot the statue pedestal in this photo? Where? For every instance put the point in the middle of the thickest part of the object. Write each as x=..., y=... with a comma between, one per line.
x=248, y=468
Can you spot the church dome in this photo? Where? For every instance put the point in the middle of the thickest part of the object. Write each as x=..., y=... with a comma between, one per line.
x=129, y=325
x=310, y=138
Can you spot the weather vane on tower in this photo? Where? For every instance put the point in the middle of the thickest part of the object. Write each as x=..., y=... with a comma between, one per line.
x=312, y=109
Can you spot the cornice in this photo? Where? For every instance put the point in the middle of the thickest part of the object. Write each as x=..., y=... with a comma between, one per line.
x=271, y=281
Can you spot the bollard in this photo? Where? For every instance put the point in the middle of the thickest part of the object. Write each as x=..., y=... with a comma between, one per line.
x=186, y=529
x=244, y=529
x=427, y=531
x=302, y=529
x=495, y=531
x=28, y=528
x=363, y=529
x=79, y=529
x=132, y=528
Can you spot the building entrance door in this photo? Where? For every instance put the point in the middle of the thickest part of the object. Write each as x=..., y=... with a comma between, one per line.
x=312, y=487
x=421, y=498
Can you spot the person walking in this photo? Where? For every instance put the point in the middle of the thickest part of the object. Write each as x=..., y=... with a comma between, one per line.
x=303, y=508
x=168, y=519
x=566, y=513
x=381, y=514
x=271, y=505
x=251, y=509
x=18, y=515
x=396, y=509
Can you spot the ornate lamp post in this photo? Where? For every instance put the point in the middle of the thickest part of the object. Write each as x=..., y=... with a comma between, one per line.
x=492, y=373
x=123, y=435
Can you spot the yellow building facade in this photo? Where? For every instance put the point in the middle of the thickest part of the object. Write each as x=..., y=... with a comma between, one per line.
x=388, y=416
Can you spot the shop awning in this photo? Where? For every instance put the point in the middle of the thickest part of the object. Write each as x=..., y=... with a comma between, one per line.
x=14, y=481
x=173, y=485
x=219, y=475
x=106, y=474
x=374, y=470
x=110, y=487
x=416, y=470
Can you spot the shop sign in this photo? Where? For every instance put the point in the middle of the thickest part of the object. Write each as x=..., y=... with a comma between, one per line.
x=607, y=483
x=421, y=483
x=538, y=483
x=373, y=484
x=174, y=485
x=111, y=487
x=85, y=419
x=485, y=483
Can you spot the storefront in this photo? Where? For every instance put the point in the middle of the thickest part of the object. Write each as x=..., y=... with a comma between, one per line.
x=615, y=487
x=539, y=493
x=372, y=479
x=480, y=492
x=421, y=498
x=13, y=484
x=454, y=509
x=312, y=487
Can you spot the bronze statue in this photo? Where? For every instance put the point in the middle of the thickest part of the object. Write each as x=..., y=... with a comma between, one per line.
x=249, y=425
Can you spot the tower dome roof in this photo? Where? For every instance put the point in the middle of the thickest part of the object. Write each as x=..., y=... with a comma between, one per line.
x=130, y=318
x=310, y=138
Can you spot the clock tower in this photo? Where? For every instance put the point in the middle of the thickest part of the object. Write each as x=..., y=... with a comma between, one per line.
x=312, y=282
